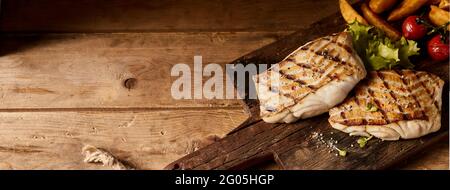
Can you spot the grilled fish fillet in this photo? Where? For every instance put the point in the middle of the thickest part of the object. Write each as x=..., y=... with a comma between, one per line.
x=311, y=80
x=391, y=105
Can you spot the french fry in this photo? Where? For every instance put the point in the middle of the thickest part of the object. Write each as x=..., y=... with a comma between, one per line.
x=379, y=6
x=445, y=5
x=378, y=22
x=350, y=14
x=438, y=16
x=406, y=8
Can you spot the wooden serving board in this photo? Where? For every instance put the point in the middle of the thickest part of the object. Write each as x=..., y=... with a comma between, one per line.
x=299, y=145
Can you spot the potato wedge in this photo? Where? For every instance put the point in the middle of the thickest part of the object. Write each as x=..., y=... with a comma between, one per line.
x=438, y=16
x=379, y=6
x=406, y=8
x=445, y=5
x=378, y=22
x=350, y=14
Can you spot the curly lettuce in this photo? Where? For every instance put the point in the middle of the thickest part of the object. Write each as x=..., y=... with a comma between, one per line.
x=379, y=52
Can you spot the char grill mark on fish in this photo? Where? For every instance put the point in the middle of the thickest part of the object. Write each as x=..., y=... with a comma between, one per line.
x=397, y=95
x=401, y=114
x=324, y=55
x=408, y=105
x=416, y=103
x=321, y=53
x=307, y=70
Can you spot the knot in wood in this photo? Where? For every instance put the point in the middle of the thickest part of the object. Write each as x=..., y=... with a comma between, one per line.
x=130, y=83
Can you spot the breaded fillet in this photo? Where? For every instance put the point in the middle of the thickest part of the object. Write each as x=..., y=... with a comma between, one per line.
x=310, y=81
x=391, y=105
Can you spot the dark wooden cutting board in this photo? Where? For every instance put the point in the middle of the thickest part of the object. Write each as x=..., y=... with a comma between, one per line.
x=300, y=145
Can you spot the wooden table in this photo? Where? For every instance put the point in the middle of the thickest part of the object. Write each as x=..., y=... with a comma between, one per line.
x=63, y=67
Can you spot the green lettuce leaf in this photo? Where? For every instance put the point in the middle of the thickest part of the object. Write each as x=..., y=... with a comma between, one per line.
x=379, y=63
x=378, y=51
x=360, y=37
x=388, y=52
x=408, y=48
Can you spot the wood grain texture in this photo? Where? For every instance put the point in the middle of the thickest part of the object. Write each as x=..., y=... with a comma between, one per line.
x=309, y=143
x=52, y=102
x=58, y=89
x=50, y=130
x=145, y=139
x=160, y=15
x=296, y=147
x=435, y=157
x=88, y=71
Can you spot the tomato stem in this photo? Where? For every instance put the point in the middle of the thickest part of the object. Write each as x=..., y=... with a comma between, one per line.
x=442, y=30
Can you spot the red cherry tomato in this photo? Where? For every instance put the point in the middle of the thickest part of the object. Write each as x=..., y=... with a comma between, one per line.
x=437, y=49
x=413, y=30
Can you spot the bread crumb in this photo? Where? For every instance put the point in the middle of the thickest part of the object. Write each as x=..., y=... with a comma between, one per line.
x=95, y=155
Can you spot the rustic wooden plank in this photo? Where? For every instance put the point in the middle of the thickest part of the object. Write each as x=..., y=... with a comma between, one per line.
x=62, y=152
x=434, y=158
x=146, y=139
x=296, y=147
x=309, y=143
x=161, y=15
x=89, y=70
